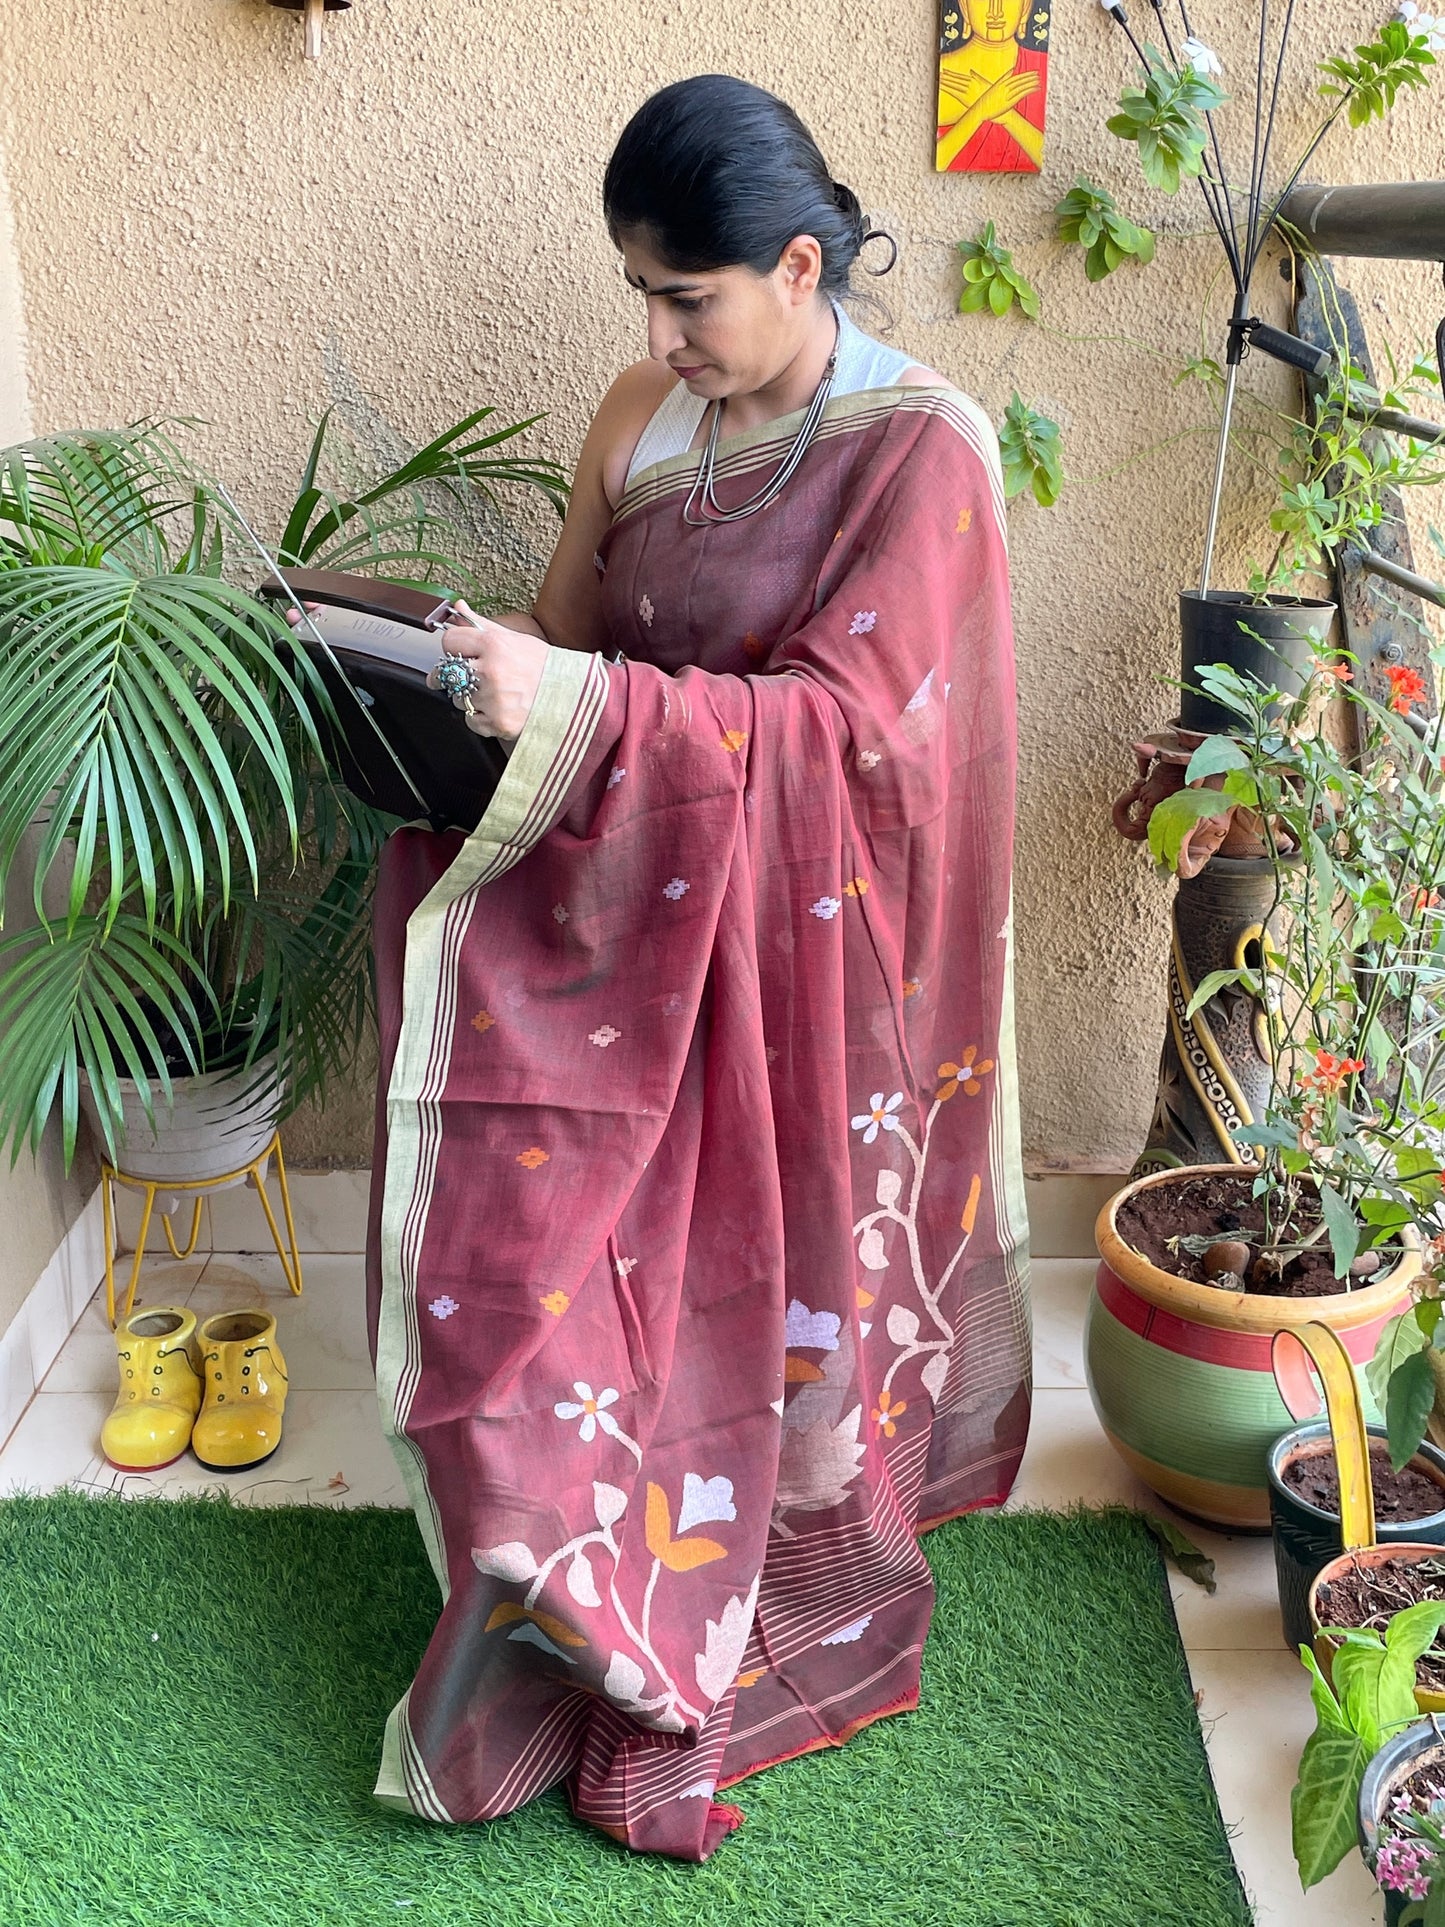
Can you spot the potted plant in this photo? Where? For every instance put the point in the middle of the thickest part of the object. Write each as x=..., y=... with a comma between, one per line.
x=1200, y=1267
x=1401, y=1807
x=1365, y=1702
x=1171, y=116
x=210, y=969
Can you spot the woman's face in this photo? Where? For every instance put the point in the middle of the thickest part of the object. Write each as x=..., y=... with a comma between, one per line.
x=726, y=331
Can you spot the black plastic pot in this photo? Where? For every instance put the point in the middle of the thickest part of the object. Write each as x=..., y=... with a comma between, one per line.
x=1397, y=1759
x=1270, y=642
x=1306, y=1539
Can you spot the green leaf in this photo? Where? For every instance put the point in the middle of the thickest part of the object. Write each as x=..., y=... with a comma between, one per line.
x=1218, y=980
x=1030, y=448
x=1409, y=1398
x=1215, y=754
x=1181, y=1550
x=1343, y=1227
x=991, y=280
x=1171, y=820
x=1323, y=1802
x=1401, y=1338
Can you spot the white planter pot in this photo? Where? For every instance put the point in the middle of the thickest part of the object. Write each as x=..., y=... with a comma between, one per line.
x=214, y=1124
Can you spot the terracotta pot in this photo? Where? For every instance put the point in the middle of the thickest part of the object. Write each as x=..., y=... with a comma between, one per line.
x=1427, y=1700
x=1306, y=1538
x=1180, y=1373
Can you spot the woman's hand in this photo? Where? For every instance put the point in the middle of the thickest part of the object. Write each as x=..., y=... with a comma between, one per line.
x=507, y=666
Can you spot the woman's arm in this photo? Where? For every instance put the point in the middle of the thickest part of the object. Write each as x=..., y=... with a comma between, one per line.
x=568, y=609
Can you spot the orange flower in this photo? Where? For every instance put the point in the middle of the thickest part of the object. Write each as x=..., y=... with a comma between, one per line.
x=733, y=739
x=1424, y=900
x=886, y=1411
x=483, y=1020
x=532, y=1158
x=964, y=523
x=1407, y=686
x=556, y=1302
x=966, y=1072
x=1340, y=671
x=1330, y=1072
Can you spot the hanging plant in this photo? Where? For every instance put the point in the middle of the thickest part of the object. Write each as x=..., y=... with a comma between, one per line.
x=1031, y=445
x=1089, y=215
x=990, y=279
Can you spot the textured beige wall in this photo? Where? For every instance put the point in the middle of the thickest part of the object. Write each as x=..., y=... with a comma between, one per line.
x=200, y=214
x=38, y=1203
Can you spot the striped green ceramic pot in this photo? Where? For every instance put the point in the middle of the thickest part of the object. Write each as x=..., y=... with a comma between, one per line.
x=1180, y=1372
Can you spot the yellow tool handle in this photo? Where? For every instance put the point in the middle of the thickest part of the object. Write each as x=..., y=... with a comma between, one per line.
x=1292, y=1353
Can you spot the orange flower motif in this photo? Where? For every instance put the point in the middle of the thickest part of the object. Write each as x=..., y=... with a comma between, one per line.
x=733, y=740
x=556, y=1302
x=483, y=1020
x=1407, y=686
x=532, y=1158
x=754, y=648
x=965, y=522
x=886, y=1411
x=966, y=1072
x=911, y=988
x=856, y=887
x=1330, y=1072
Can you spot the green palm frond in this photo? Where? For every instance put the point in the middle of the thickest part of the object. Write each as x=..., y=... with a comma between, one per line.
x=108, y=997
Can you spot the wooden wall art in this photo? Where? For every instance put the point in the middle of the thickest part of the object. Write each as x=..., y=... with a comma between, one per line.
x=993, y=63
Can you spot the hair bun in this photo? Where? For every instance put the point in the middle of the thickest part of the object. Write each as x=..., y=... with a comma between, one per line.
x=848, y=204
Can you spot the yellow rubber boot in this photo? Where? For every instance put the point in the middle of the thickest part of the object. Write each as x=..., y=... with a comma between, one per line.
x=244, y=1376
x=160, y=1391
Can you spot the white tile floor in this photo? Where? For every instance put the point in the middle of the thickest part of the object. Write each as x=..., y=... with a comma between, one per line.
x=1253, y=1700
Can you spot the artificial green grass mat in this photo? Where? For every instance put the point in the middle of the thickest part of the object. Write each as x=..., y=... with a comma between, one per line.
x=192, y=1698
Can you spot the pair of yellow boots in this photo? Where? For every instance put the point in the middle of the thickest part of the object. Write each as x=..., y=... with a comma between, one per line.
x=219, y=1387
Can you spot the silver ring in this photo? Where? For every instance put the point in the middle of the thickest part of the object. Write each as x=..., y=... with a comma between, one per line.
x=457, y=678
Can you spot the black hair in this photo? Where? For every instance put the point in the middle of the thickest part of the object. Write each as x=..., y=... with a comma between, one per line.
x=720, y=174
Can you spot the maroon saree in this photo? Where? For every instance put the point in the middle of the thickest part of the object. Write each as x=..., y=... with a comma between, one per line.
x=698, y=1255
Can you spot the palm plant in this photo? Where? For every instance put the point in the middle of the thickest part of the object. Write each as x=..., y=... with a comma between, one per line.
x=160, y=724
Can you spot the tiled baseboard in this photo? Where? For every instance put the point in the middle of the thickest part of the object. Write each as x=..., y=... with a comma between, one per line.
x=330, y=1212
x=31, y=1343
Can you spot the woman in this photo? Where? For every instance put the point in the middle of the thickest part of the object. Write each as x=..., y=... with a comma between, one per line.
x=698, y=1261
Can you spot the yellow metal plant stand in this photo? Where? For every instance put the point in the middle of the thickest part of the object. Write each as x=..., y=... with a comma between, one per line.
x=197, y=1189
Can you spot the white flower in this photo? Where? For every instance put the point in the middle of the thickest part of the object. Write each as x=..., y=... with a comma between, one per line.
x=679, y=887
x=615, y=778
x=443, y=1307
x=604, y=1036
x=625, y=1265
x=825, y=907
x=864, y=623
x=592, y=1411
x=1204, y=60
x=560, y=913
x=878, y=1116
x=870, y=758
x=646, y=610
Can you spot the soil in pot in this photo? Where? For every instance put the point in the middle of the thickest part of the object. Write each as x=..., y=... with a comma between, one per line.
x=1219, y=1205
x=1399, y=1496
x=1425, y=1787
x=1372, y=1595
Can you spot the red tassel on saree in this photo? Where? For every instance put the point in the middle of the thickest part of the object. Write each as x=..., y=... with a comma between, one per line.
x=699, y=1263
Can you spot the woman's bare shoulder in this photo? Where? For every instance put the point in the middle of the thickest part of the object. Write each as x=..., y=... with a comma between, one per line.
x=917, y=376
x=625, y=411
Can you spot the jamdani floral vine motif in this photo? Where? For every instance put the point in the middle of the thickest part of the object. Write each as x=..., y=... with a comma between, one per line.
x=822, y=1452
x=705, y=1501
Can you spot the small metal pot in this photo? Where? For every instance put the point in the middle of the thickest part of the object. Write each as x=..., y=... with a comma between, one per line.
x=1397, y=1759
x=1306, y=1538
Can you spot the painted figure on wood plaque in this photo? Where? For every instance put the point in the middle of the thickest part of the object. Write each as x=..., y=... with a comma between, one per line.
x=992, y=76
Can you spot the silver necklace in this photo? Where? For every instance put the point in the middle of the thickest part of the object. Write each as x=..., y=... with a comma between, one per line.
x=701, y=497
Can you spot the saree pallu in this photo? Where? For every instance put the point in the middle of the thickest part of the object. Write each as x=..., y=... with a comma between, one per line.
x=698, y=1279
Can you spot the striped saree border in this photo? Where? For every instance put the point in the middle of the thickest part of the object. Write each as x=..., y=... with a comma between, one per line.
x=545, y=760
x=764, y=445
